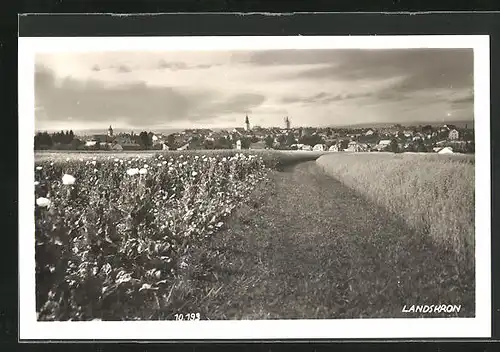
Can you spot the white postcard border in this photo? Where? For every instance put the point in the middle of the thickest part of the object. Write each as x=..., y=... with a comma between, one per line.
x=31, y=329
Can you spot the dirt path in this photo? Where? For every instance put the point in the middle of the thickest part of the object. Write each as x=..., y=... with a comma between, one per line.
x=312, y=248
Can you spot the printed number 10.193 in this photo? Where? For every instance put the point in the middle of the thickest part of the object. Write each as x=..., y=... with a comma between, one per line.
x=190, y=316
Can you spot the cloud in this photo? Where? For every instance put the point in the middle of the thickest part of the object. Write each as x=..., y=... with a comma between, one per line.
x=178, y=65
x=123, y=69
x=418, y=68
x=323, y=98
x=219, y=88
x=132, y=104
x=287, y=57
x=240, y=103
x=174, y=66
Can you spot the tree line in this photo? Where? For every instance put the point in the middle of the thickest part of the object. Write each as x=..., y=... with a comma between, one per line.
x=44, y=140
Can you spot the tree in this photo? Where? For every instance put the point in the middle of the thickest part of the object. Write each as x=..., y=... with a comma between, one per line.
x=281, y=139
x=344, y=144
x=269, y=140
x=145, y=140
x=420, y=146
x=394, y=146
x=222, y=143
x=311, y=140
x=171, y=141
x=208, y=144
x=290, y=139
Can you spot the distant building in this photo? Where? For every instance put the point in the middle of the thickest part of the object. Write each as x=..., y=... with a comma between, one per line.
x=356, y=147
x=184, y=147
x=238, y=144
x=258, y=145
x=383, y=144
x=124, y=139
x=116, y=146
x=319, y=148
x=453, y=135
x=369, y=132
x=239, y=130
x=334, y=148
x=446, y=150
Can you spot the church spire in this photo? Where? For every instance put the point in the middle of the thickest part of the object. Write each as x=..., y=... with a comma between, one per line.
x=247, y=123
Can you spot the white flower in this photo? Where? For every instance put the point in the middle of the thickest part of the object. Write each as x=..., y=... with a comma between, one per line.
x=146, y=166
x=185, y=163
x=164, y=162
x=43, y=202
x=38, y=168
x=67, y=159
x=132, y=172
x=94, y=162
x=123, y=277
x=143, y=171
x=121, y=161
x=95, y=170
x=116, y=160
x=224, y=158
x=145, y=287
x=159, y=164
x=37, y=183
x=194, y=173
x=68, y=179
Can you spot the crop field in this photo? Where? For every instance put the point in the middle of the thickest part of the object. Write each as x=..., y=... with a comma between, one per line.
x=113, y=232
x=433, y=194
x=257, y=234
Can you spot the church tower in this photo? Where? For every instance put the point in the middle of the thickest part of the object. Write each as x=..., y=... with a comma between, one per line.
x=110, y=131
x=247, y=124
x=287, y=123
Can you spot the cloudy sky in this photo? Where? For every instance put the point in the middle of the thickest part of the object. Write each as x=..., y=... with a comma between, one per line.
x=162, y=90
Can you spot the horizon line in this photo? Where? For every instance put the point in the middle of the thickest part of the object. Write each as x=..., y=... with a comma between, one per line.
x=359, y=125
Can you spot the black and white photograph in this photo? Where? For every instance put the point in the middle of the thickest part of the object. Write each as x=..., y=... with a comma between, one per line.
x=321, y=187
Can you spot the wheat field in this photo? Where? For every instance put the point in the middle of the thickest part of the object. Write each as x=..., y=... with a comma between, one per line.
x=432, y=194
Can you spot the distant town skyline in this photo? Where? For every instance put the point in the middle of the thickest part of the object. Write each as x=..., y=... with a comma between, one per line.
x=181, y=90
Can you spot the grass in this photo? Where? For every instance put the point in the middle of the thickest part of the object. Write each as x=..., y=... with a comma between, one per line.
x=304, y=246
x=433, y=194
